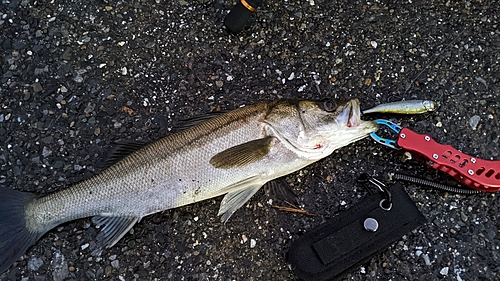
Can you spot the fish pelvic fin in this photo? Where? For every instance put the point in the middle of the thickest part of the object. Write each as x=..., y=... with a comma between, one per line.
x=113, y=228
x=234, y=200
x=15, y=236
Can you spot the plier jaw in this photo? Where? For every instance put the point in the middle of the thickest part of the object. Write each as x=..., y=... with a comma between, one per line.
x=392, y=143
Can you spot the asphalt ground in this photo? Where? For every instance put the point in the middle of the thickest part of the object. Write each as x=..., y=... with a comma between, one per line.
x=78, y=76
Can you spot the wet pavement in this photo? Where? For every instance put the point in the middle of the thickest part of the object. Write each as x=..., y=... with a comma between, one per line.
x=78, y=76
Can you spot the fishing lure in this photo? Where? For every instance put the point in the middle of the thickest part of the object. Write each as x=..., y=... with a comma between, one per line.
x=405, y=107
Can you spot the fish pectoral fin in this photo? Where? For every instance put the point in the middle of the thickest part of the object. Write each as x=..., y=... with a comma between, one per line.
x=234, y=200
x=242, y=154
x=112, y=230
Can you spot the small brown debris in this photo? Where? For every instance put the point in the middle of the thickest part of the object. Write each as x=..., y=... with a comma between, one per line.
x=128, y=110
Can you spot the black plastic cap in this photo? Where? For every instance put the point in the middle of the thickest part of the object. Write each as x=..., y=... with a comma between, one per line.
x=236, y=20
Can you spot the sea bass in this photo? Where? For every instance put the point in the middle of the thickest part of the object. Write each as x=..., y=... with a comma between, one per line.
x=233, y=154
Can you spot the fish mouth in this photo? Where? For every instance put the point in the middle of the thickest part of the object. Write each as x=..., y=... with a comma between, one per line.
x=351, y=115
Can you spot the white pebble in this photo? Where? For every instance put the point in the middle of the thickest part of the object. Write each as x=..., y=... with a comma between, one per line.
x=85, y=246
x=444, y=271
x=474, y=121
x=253, y=243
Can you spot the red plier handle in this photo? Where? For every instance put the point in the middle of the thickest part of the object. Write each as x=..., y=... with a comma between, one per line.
x=474, y=172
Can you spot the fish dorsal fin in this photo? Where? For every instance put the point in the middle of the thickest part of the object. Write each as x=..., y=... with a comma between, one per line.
x=242, y=154
x=120, y=151
x=112, y=230
x=234, y=200
x=195, y=120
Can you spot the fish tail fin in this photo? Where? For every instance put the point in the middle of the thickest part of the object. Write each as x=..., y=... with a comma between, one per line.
x=15, y=237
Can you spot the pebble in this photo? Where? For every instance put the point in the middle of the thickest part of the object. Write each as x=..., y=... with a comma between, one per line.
x=59, y=266
x=253, y=243
x=34, y=263
x=474, y=121
x=444, y=271
x=37, y=87
x=427, y=260
x=46, y=152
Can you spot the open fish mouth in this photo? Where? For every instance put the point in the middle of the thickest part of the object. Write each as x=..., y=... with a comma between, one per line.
x=351, y=115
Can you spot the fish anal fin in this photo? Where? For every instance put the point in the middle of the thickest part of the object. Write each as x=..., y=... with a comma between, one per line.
x=234, y=200
x=243, y=154
x=112, y=230
x=281, y=190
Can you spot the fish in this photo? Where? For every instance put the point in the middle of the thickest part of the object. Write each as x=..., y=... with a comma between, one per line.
x=233, y=154
x=405, y=107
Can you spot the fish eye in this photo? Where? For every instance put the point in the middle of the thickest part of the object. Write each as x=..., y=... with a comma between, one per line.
x=329, y=105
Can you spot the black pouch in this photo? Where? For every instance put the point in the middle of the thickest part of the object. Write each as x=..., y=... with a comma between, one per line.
x=343, y=243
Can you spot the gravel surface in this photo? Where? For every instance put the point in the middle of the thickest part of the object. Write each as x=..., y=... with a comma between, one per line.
x=77, y=76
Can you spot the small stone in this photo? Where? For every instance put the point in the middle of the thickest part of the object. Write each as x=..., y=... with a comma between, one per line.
x=463, y=217
x=37, y=87
x=34, y=263
x=427, y=260
x=253, y=243
x=78, y=79
x=46, y=152
x=474, y=121
x=108, y=270
x=115, y=264
x=219, y=83
x=59, y=266
x=444, y=271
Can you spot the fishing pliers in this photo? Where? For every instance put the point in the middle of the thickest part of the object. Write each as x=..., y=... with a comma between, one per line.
x=473, y=172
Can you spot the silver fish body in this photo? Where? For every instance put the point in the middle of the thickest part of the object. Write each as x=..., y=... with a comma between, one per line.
x=405, y=107
x=233, y=154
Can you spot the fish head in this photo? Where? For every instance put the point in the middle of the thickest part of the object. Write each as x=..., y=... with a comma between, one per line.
x=314, y=129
